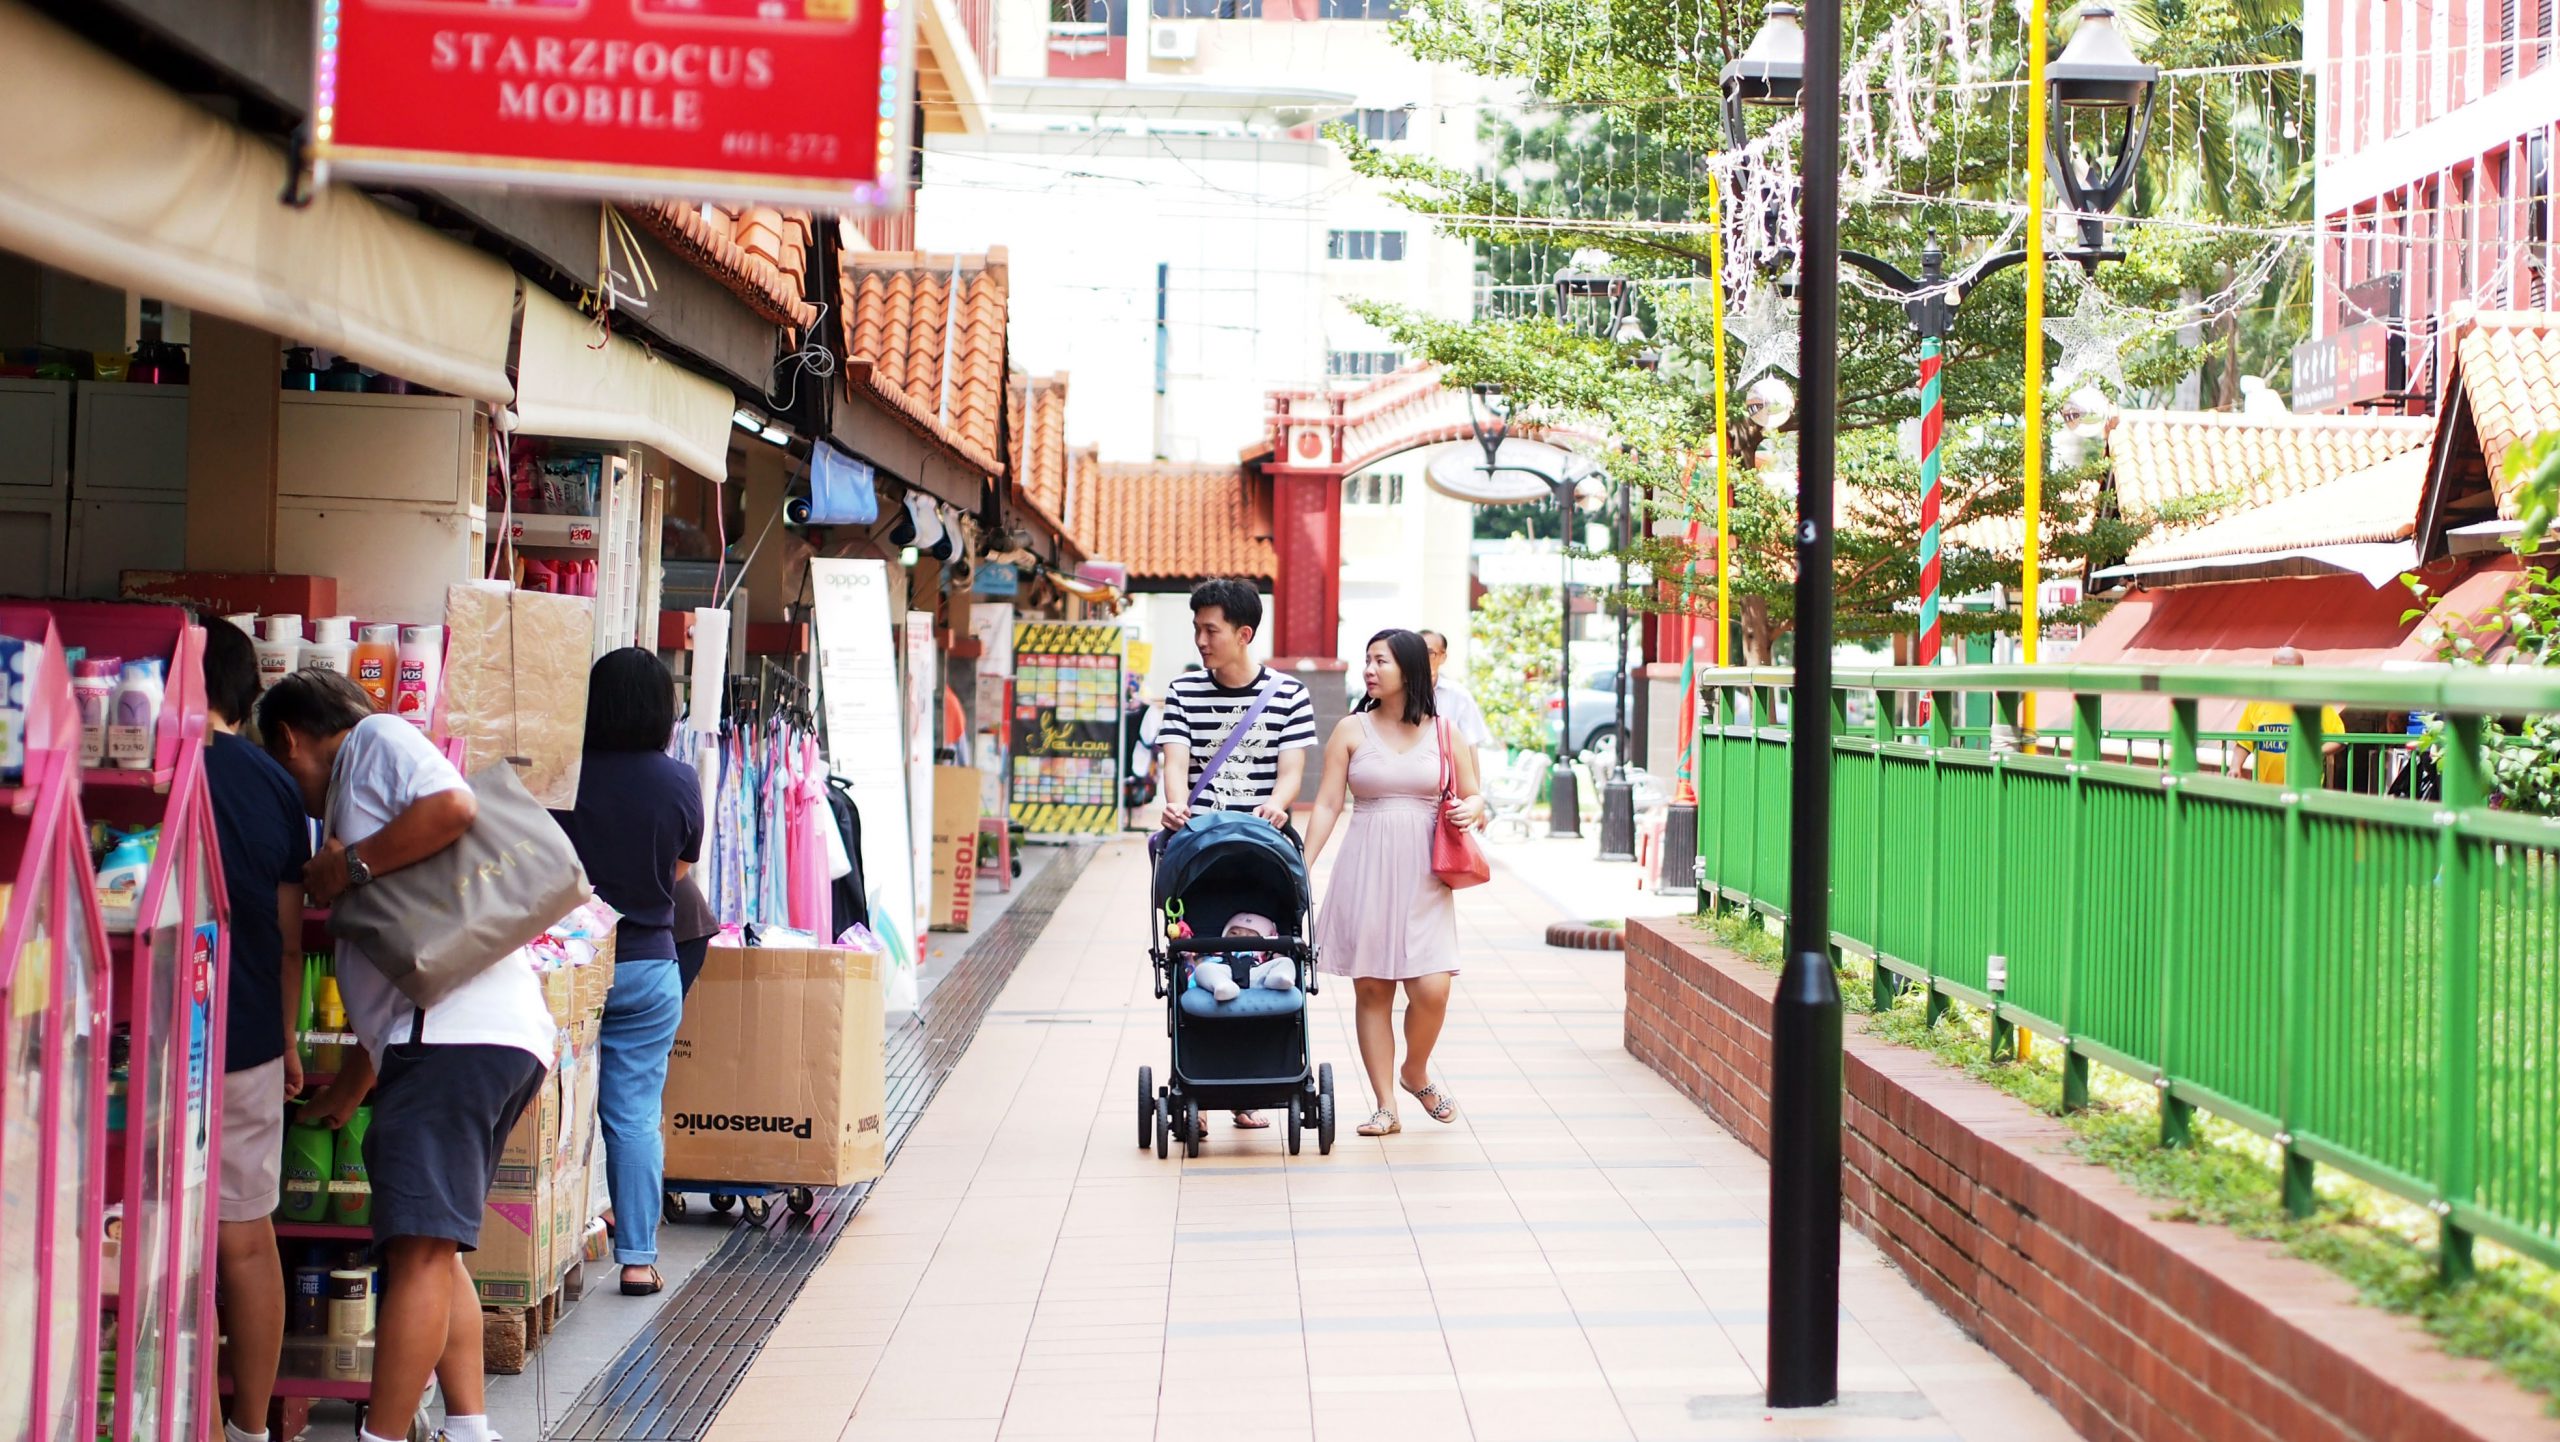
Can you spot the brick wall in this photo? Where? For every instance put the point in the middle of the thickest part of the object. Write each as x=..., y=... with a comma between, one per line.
x=2132, y=1327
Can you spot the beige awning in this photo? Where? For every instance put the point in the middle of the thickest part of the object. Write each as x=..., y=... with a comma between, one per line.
x=109, y=175
x=568, y=385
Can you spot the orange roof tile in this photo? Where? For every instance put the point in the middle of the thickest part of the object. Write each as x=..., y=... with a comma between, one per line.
x=1168, y=520
x=1036, y=407
x=2508, y=366
x=759, y=252
x=926, y=335
x=2163, y=457
x=2371, y=506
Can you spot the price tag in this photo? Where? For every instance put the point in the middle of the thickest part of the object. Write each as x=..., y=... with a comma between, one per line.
x=582, y=535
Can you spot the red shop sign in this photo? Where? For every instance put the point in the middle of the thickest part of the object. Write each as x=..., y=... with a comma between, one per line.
x=783, y=101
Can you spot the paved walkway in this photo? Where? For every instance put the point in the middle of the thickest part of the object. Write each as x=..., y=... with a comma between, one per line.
x=1579, y=1258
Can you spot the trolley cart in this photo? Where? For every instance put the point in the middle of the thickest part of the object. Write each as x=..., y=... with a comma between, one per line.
x=755, y=1199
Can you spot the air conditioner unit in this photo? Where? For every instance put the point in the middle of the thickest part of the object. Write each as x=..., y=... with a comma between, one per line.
x=1173, y=40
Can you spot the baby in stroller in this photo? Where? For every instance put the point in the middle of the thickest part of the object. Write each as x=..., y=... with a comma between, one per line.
x=1217, y=974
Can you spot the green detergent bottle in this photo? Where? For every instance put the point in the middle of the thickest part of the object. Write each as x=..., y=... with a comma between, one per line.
x=354, y=1209
x=308, y=1156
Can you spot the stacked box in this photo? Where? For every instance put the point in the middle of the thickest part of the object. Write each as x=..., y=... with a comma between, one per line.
x=515, y=1264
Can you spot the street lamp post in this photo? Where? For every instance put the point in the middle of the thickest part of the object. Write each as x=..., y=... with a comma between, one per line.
x=1787, y=65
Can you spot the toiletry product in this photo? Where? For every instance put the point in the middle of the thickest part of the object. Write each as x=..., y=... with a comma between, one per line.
x=17, y=665
x=247, y=621
x=375, y=664
x=121, y=874
x=110, y=1249
x=309, y=1155
x=350, y=1303
x=354, y=1209
x=133, y=727
x=330, y=1015
x=330, y=647
x=301, y=369
x=307, y=1303
x=421, y=674
x=93, y=695
x=280, y=650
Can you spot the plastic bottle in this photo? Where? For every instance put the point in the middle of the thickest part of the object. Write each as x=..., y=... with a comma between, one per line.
x=353, y=1209
x=247, y=621
x=330, y=647
x=307, y=1305
x=280, y=650
x=93, y=694
x=421, y=674
x=375, y=664
x=122, y=873
x=309, y=1154
x=134, y=726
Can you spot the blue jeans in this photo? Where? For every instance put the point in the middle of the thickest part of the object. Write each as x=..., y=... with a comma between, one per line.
x=640, y=1016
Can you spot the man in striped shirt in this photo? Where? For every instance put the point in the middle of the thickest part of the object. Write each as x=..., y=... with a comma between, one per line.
x=1202, y=709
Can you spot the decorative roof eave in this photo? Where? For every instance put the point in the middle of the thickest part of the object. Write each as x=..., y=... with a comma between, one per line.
x=760, y=256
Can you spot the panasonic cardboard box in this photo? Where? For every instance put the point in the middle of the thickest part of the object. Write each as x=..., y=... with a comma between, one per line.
x=777, y=1074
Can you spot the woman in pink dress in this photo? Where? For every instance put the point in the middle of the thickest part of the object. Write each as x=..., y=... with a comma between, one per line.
x=1386, y=918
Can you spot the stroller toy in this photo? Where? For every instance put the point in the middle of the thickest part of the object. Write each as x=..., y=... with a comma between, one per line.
x=1220, y=884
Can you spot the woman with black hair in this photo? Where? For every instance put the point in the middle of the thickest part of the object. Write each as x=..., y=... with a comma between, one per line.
x=1387, y=921
x=638, y=830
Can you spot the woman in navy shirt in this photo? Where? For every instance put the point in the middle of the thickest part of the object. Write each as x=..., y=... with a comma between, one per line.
x=638, y=828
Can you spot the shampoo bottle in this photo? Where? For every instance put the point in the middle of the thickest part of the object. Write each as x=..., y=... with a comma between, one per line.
x=375, y=664
x=280, y=650
x=421, y=674
x=331, y=647
x=134, y=725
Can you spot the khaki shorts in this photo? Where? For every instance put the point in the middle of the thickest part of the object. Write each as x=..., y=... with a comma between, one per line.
x=252, y=1141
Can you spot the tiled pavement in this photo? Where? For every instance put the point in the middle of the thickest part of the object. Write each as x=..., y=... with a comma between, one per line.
x=1580, y=1257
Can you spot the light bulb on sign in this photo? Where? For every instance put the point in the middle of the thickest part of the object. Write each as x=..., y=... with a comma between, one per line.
x=1770, y=403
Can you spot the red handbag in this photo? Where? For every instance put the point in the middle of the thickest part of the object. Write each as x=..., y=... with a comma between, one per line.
x=1457, y=860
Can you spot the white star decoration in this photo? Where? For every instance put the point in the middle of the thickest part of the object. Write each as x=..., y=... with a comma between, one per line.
x=1764, y=327
x=2092, y=339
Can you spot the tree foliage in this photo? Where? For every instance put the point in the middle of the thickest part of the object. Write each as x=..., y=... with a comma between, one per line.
x=1623, y=108
x=1514, y=668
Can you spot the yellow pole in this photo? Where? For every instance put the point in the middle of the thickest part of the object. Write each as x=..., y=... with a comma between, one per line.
x=2032, y=627
x=1724, y=479
x=2032, y=624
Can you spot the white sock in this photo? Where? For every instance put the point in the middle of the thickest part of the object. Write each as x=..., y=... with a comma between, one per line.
x=366, y=1435
x=469, y=1429
x=1276, y=975
x=232, y=1433
x=1219, y=978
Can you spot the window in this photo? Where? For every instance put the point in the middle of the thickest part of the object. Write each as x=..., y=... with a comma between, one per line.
x=1360, y=364
x=1364, y=245
x=1374, y=9
x=2537, y=216
x=1372, y=489
x=1375, y=124
x=1208, y=9
x=2506, y=37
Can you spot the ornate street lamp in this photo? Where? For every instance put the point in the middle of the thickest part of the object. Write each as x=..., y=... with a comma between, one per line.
x=1489, y=416
x=2099, y=76
x=1770, y=73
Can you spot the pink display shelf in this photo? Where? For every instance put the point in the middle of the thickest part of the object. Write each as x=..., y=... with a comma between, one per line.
x=53, y=1069
x=164, y=978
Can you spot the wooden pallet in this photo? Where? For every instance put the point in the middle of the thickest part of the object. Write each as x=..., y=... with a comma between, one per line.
x=509, y=1335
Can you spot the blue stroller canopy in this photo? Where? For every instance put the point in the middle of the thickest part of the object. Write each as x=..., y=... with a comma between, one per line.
x=1228, y=847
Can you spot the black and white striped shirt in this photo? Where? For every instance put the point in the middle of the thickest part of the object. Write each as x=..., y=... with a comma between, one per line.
x=1199, y=713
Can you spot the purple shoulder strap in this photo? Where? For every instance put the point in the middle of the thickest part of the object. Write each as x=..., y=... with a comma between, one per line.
x=1226, y=749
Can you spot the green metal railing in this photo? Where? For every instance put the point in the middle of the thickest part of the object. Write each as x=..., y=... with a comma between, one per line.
x=2373, y=983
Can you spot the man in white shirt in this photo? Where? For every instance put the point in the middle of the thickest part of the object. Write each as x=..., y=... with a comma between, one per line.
x=448, y=1083
x=1465, y=716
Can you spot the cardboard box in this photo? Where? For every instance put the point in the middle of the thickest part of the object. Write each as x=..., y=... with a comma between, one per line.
x=778, y=1074
x=955, y=846
x=531, y=1153
x=513, y=1267
x=560, y=993
x=515, y=683
x=594, y=981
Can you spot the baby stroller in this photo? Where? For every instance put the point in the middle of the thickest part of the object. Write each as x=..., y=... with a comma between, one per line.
x=1251, y=1052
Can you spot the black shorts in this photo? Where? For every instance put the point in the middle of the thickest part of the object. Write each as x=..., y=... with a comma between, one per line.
x=441, y=1115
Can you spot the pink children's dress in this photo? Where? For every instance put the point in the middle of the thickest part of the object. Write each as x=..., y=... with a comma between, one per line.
x=1385, y=915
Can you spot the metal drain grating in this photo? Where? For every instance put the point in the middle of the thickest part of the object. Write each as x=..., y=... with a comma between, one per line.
x=669, y=1383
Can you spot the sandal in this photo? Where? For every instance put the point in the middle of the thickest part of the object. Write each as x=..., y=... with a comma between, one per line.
x=649, y=1288
x=1252, y=1122
x=1381, y=1123
x=1442, y=1106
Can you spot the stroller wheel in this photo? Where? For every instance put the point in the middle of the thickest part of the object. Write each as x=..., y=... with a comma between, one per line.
x=1324, y=1109
x=1146, y=1104
x=1191, y=1127
x=1164, y=1127
x=1295, y=1123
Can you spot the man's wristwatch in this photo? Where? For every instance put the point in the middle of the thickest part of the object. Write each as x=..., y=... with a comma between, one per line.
x=357, y=872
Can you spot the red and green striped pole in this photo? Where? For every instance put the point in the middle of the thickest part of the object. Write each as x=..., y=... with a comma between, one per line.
x=1932, y=425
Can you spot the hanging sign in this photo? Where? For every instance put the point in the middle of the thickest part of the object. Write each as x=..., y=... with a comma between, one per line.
x=776, y=101
x=998, y=578
x=1066, y=728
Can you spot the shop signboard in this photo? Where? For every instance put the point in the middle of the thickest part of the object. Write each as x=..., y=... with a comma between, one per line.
x=865, y=717
x=776, y=101
x=1066, y=728
x=998, y=578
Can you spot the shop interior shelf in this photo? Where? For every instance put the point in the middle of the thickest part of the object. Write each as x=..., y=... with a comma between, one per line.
x=327, y=1388
x=115, y=778
x=322, y=1232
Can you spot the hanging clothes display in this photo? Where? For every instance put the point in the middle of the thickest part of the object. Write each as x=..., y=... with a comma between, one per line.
x=767, y=865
